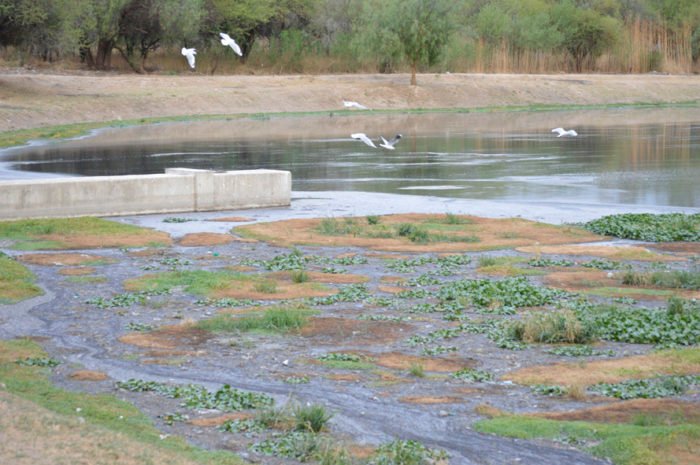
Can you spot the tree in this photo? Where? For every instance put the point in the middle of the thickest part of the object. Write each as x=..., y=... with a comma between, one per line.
x=585, y=33
x=145, y=24
x=417, y=30
x=99, y=27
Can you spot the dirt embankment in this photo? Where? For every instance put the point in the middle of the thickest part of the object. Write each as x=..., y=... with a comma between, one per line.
x=30, y=99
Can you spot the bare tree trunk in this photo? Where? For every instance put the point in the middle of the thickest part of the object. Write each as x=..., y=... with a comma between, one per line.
x=103, y=59
x=414, y=67
x=130, y=60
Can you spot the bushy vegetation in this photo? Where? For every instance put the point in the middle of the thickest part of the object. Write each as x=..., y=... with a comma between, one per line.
x=666, y=227
x=672, y=279
x=553, y=327
x=369, y=35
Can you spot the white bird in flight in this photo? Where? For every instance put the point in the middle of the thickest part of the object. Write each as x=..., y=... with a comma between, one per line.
x=389, y=145
x=350, y=104
x=229, y=42
x=363, y=137
x=564, y=132
x=189, y=53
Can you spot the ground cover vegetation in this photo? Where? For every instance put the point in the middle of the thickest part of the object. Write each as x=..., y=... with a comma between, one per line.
x=350, y=35
x=418, y=321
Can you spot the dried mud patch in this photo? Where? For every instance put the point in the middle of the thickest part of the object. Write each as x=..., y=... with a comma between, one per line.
x=612, y=252
x=686, y=248
x=319, y=277
x=204, y=239
x=604, y=371
x=62, y=259
x=176, y=337
x=430, y=400
x=400, y=361
x=599, y=283
x=219, y=420
x=667, y=410
x=333, y=330
x=485, y=234
x=281, y=291
x=80, y=271
x=88, y=375
x=101, y=241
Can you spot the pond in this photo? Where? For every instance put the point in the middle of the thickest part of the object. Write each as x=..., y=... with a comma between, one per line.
x=641, y=157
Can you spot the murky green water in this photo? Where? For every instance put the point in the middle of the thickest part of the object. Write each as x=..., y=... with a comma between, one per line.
x=501, y=157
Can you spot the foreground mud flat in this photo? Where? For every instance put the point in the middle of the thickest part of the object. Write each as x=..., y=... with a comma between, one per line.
x=405, y=327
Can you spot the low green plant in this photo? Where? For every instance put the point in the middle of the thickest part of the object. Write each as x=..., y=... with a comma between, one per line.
x=548, y=262
x=299, y=276
x=552, y=327
x=298, y=445
x=312, y=418
x=38, y=362
x=666, y=227
x=177, y=219
x=487, y=260
x=510, y=292
x=472, y=375
x=601, y=264
x=417, y=370
x=195, y=396
x=346, y=361
x=373, y=219
x=266, y=286
x=645, y=325
x=277, y=319
x=407, y=452
x=247, y=425
x=351, y=293
x=413, y=232
x=438, y=350
x=661, y=386
x=297, y=380
x=549, y=390
x=126, y=299
x=133, y=326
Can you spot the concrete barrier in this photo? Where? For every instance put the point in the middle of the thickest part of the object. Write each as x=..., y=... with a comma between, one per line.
x=178, y=190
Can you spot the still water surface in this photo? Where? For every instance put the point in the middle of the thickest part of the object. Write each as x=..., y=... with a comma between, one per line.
x=636, y=164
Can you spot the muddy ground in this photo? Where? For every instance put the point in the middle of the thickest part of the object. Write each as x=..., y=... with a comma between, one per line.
x=155, y=340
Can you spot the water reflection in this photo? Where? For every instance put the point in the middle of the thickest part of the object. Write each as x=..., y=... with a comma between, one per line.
x=642, y=164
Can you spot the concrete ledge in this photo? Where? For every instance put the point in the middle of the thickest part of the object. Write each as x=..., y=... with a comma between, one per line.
x=178, y=190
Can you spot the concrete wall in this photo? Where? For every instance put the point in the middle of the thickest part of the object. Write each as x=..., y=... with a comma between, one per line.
x=178, y=190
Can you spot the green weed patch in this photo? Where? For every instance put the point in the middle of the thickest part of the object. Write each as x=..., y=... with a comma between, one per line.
x=668, y=227
x=624, y=444
x=273, y=320
x=16, y=281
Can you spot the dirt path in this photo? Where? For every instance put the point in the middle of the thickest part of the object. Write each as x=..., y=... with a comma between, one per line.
x=29, y=99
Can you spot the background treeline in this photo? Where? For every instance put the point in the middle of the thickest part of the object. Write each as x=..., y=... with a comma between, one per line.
x=338, y=36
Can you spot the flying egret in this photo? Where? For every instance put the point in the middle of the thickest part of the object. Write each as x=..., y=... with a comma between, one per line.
x=229, y=42
x=564, y=132
x=389, y=145
x=363, y=137
x=350, y=104
x=189, y=53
